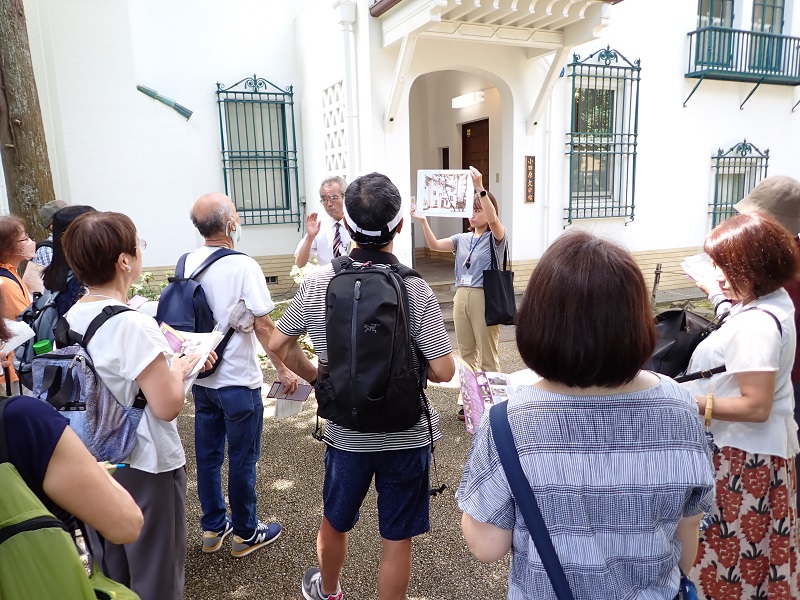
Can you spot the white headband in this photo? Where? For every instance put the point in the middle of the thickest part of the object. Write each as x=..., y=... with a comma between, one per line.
x=390, y=226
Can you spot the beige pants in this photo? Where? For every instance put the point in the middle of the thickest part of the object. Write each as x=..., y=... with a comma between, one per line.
x=477, y=343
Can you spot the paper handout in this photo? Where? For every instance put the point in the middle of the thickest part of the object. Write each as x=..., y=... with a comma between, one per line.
x=291, y=404
x=189, y=342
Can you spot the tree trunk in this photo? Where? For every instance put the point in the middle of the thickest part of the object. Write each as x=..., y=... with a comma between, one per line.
x=23, y=148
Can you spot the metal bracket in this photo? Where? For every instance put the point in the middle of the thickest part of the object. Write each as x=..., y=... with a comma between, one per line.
x=741, y=106
x=400, y=72
x=694, y=89
x=796, y=105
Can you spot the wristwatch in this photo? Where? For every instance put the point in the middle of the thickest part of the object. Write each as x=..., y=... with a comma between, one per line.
x=482, y=194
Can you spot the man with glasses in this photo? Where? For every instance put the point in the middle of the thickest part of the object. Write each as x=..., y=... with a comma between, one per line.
x=325, y=241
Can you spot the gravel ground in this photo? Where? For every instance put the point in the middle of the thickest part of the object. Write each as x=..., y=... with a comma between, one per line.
x=289, y=488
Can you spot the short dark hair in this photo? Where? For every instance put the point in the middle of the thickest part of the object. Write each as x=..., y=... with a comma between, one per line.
x=585, y=319
x=372, y=201
x=214, y=222
x=11, y=226
x=93, y=242
x=55, y=275
x=757, y=254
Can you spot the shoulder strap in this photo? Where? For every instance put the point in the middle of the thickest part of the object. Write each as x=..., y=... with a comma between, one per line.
x=180, y=268
x=44, y=244
x=221, y=253
x=405, y=271
x=9, y=275
x=708, y=373
x=526, y=501
x=341, y=263
x=3, y=443
x=99, y=320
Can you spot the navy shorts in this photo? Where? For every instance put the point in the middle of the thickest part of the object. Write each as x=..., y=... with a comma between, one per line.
x=401, y=480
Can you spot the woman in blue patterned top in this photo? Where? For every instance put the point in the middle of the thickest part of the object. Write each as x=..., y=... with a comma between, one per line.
x=477, y=342
x=616, y=456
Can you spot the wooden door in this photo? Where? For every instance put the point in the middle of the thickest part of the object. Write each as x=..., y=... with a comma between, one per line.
x=475, y=151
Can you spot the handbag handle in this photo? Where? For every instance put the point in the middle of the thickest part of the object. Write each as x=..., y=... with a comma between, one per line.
x=493, y=258
x=526, y=501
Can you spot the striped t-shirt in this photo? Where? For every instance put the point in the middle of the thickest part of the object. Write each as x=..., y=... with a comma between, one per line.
x=612, y=475
x=306, y=314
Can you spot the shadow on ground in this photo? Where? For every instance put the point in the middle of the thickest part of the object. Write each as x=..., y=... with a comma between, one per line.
x=290, y=491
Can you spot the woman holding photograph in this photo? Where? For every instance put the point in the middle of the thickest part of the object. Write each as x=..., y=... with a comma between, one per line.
x=477, y=342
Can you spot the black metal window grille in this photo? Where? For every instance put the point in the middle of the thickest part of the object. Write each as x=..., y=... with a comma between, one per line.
x=259, y=151
x=737, y=171
x=603, y=136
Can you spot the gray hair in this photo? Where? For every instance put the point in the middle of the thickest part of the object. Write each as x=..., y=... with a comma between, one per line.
x=214, y=222
x=337, y=180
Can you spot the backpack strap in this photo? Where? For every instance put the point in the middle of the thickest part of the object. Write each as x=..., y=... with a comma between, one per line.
x=708, y=373
x=44, y=244
x=180, y=268
x=9, y=275
x=107, y=312
x=215, y=256
x=341, y=263
x=526, y=500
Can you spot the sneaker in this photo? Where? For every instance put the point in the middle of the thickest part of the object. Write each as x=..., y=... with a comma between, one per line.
x=312, y=581
x=265, y=534
x=461, y=414
x=212, y=540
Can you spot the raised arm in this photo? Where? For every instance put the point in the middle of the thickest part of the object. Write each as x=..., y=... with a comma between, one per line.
x=304, y=250
x=498, y=231
x=440, y=245
x=76, y=483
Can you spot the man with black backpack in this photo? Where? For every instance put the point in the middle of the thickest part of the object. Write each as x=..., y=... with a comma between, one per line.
x=378, y=330
x=228, y=403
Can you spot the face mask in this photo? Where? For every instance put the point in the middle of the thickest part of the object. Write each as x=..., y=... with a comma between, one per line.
x=235, y=235
x=28, y=249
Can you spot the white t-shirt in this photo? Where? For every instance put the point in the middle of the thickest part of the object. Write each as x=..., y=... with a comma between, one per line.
x=322, y=246
x=230, y=279
x=120, y=351
x=749, y=341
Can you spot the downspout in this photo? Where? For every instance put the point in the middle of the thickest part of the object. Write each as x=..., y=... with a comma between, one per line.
x=347, y=17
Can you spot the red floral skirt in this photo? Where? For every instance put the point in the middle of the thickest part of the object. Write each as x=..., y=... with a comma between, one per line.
x=750, y=550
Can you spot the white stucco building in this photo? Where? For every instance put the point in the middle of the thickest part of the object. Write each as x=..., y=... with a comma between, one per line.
x=615, y=146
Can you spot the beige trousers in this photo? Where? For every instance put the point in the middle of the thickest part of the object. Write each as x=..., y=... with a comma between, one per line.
x=477, y=343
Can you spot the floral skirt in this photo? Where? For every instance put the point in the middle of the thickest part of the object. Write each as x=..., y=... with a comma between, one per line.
x=750, y=549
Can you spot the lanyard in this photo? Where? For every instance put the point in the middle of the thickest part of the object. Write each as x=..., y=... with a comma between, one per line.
x=472, y=245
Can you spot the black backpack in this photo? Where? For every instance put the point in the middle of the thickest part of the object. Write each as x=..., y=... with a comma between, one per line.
x=369, y=383
x=184, y=307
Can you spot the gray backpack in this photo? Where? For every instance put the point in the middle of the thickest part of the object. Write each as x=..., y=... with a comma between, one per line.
x=67, y=380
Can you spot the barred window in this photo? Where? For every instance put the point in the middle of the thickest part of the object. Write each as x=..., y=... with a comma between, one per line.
x=259, y=151
x=603, y=136
x=736, y=173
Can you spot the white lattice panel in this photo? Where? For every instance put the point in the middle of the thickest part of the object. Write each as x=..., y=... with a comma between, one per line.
x=333, y=116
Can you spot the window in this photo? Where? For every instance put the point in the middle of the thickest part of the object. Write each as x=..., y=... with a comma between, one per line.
x=714, y=39
x=259, y=151
x=602, y=138
x=766, y=49
x=737, y=172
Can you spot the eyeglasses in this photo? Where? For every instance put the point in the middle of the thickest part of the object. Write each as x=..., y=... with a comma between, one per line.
x=330, y=199
x=142, y=244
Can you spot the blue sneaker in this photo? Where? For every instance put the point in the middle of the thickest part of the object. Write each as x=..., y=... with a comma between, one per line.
x=265, y=534
x=212, y=540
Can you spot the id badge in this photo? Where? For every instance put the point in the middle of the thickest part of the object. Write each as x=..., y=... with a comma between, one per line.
x=465, y=280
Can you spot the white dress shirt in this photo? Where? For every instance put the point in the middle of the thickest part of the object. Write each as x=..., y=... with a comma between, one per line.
x=322, y=246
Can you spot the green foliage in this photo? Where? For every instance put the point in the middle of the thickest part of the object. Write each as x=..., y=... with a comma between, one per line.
x=148, y=287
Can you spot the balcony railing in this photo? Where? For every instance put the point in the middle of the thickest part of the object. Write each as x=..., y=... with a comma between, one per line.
x=736, y=55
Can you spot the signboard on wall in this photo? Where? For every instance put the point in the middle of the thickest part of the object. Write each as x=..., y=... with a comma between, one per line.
x=530, y=178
